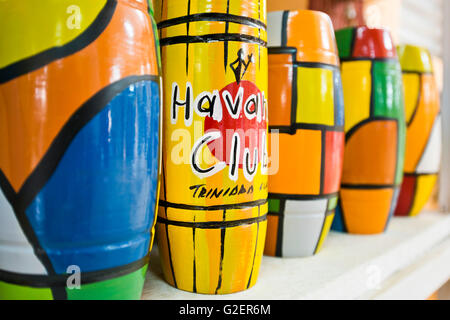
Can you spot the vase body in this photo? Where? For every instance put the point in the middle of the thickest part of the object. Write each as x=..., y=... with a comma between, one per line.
x=306, y=113
x=212, y=217
x=374, y=130
x=423, y=130
x=79, y=159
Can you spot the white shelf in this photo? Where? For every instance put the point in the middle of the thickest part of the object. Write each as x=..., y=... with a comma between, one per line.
x=410, y=261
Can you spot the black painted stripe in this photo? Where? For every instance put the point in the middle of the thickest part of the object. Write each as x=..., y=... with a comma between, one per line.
x=212, y=224
x=213, y=17
x=302, y=196
x=83, y=40
x=418, y=174
x=322, y=160
x=254, y=252
x=418, y=72
x=368, y=186
x=282, y=50
x=369, y=59
x=279, y=244
x=306, y=126
x=25, y=225
x=416, y=107
x=284, y=22
x=321, y=65
x=222, y=253
x=45, y=168
x=242, y=205
x=167, y=231
x=60, y=280
x=214, y=37
x=357, y=126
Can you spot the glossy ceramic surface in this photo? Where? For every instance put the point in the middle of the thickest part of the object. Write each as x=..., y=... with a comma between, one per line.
x=79, y=137
x=212, y=218
x=374, y=130
x=306, y=112
x=423, y=133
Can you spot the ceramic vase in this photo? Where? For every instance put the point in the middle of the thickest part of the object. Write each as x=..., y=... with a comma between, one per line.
x=212, y=218
x=306, y=113
x=374, y=130
x=423, y=130
x=79, y=135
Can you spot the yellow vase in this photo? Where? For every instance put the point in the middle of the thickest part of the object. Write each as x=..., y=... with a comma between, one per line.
x=212, y=217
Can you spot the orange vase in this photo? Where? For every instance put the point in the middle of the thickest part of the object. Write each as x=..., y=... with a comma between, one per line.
x=423, y=134
x=306, y=115
x=374, y=130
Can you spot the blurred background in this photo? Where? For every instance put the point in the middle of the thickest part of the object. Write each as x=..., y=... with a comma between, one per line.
x=417, y=22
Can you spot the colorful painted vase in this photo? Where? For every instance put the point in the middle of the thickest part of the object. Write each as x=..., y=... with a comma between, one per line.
x=306, y=112
x=79, y=134
x=213, y=210
x=374, y=130
x=423, y=130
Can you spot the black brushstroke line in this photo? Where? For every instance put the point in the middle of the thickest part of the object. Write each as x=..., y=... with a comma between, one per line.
x=365, y=186
x=305, y=126
x=222, y=252
x=418, y=72
x=194, y=272
x=225, y=44
x=302, y=196
x=322, y=159
x=187, y=35
x=242, y=205
x=212, y=224
x=279, y=243
x=294, y=95
x=214, y=37
x=213, y=17
x=416, y=107
x=321, y=229
x=306, y=64
x=254, y=253
x=284, y=22
x=321, y=65
x=355, y=128
x=43, y=58
x=166, y=227
x=25, y=225
x=48, y=163
x=417, y=174
x=422, y=154
x=259, y=35
x=352, y=59
x=60, y=280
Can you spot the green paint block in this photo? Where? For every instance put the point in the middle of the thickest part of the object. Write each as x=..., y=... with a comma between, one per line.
x=344, y=38
x=388, y=102
x=10, y=291
x=388, y=90
x=274, y=205
x=332, y=203
x=127, y=287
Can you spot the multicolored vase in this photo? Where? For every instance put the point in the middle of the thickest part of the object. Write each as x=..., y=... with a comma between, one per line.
x=374, y=130
x=423, y=133
x=79, y=135
x=306, y=112
x=212, y=217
